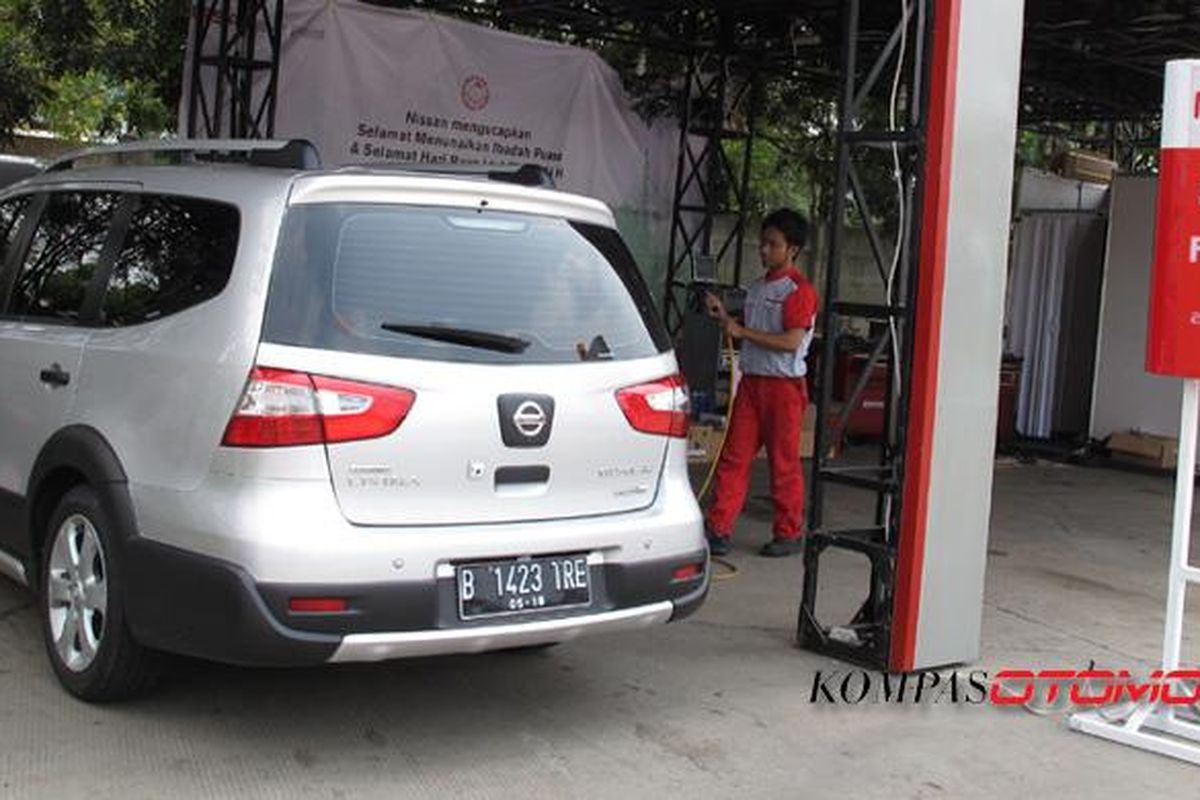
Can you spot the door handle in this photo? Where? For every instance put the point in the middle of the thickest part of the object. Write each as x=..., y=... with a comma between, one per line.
x=56, y=376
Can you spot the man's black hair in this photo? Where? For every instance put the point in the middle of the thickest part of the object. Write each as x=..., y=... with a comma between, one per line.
x=791, y=224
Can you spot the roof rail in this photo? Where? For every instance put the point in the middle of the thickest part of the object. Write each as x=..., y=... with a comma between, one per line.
x=524, y=175
x=285, y=153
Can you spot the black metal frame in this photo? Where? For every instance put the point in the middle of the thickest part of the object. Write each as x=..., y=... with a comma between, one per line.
x=226, y=62
x=708, y=184
x=866, y=639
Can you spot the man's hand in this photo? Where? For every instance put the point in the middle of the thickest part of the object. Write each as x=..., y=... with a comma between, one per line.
x=716, y=309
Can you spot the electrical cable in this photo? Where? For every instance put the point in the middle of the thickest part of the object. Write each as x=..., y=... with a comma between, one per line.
x=898, y=175
x=901, y=208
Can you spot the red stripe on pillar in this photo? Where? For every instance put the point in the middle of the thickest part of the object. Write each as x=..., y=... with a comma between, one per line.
x=931, y=279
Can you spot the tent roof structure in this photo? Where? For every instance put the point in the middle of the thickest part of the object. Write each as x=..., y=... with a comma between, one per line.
x=1084, y=60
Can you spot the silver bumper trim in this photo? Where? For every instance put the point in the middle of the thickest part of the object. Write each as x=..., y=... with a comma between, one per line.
x=382, y=646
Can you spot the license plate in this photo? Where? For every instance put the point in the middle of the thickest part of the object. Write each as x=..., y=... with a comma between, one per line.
x=495, y=588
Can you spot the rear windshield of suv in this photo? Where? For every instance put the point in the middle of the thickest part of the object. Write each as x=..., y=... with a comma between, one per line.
x=450, y=284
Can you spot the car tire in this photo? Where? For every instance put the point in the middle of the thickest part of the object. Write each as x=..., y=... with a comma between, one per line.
x=82, y=605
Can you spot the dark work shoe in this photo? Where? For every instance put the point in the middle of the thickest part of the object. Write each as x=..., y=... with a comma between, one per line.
x=717, y=545
x=781, y=548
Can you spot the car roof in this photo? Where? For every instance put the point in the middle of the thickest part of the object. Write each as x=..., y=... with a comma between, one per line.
x=246, y=184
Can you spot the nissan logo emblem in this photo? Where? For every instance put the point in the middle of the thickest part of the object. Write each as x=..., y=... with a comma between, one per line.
x=529, y=419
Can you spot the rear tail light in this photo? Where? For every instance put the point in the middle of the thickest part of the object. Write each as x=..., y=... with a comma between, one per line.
x=658, y=407
x=281, y=408
x=353, y=411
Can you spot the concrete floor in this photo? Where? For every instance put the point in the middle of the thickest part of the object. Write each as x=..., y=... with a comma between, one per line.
x=715, y=706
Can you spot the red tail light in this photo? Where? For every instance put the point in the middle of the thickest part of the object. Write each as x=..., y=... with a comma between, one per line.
x=659, y=407
x=281, y=408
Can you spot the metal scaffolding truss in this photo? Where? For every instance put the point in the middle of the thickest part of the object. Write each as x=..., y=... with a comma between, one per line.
x=880, y=115
x=717, y=126
x=234, y=68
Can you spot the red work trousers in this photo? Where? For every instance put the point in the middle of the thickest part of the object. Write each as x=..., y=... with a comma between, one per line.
x=766, y=411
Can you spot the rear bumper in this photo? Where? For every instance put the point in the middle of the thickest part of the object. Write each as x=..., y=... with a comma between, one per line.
x=196, y=605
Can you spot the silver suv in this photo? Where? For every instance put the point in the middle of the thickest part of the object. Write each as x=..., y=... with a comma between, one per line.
x=268, y=414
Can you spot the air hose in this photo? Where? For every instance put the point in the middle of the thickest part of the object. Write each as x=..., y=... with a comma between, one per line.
x=712, y=469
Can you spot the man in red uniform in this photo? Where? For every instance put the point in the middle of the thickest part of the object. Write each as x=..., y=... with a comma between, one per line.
x=772, y=395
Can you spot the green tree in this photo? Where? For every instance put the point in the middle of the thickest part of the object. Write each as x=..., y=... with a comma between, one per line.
x=91, y=69
x=20, y=88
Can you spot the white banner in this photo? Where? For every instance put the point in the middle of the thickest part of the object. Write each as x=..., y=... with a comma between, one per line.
x=375, y=85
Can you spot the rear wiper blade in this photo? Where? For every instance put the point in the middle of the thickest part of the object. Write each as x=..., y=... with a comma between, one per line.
x=463, y=336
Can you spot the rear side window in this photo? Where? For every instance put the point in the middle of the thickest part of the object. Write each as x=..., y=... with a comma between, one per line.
x=458, y=285
x=178, y=252
x=63, y=254
x=11, y=213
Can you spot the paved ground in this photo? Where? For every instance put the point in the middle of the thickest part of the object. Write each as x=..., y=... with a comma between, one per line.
x=717, y=706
